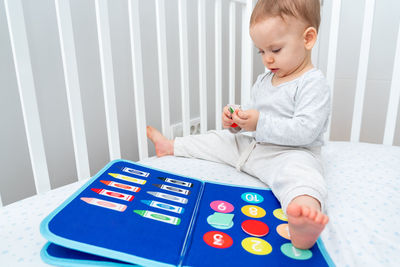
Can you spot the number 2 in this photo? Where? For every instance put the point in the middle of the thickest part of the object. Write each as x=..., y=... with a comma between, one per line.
x=256, y=243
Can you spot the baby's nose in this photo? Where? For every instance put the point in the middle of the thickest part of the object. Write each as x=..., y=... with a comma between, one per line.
x=269, y=59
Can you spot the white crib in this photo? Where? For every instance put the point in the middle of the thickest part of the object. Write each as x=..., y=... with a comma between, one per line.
x=56, y=143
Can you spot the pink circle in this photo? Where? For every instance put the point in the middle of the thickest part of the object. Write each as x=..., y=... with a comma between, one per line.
x=222, y=206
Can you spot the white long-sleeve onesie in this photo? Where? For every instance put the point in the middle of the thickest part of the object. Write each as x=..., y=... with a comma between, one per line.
x=284, y=151
x=294, y=113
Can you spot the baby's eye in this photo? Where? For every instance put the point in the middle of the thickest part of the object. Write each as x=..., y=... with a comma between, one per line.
x=276, y=50
x=261, y=52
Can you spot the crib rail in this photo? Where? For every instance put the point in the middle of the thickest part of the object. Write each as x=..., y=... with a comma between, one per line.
x=27, y=93
x=63, y=11
x=362, y=72
x=239, y=52
x=23, y=69
x=394, y=97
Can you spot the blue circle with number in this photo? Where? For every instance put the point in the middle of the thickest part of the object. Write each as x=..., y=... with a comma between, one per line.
x=253, y=198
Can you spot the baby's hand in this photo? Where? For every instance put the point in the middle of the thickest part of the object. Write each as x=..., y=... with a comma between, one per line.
x=226, y=118
x=246, y=119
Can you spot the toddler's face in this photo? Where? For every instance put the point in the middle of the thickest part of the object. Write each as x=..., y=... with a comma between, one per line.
x=281, y=45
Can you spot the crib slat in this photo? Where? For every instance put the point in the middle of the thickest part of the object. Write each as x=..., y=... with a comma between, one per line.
x=239, y=1
x=137, y=68
x=332, y=50
x=107, y=74
x=218, y=63
x=202, y=64
x=63, y=12
x=163, y=67
x=247, y=53
x=394, y=98
x=362, y=70
x=232, y=51
x=26, y=88
x=184, y=63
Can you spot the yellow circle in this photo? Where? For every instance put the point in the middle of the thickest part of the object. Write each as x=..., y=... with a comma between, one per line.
x=253, y=211
x=283, y=230
x=278, y=213
x=256, y=246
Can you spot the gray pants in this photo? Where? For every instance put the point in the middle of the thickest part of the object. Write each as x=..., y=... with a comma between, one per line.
x=288, y=171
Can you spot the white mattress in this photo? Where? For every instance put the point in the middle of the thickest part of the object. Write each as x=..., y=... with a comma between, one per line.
x=363, y=205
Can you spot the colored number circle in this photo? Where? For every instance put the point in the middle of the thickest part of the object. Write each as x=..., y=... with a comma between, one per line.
x=283, y=230
x=256, y=246
x=253, y=198
x=278, y=213
x=217, y=239
x=255, y=228
x=222, y=206
x=253, y=211
x=298, y=254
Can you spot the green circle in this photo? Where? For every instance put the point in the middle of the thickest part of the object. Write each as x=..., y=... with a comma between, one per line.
x=295, y=253
x=219, y=226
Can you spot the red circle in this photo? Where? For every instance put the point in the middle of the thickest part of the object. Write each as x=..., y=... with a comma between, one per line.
x=255, y=228
x=217, y=239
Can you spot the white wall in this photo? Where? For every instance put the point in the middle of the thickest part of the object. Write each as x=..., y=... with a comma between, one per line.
x=381, y=60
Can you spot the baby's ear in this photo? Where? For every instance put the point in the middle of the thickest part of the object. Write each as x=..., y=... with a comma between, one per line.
x=310, y=37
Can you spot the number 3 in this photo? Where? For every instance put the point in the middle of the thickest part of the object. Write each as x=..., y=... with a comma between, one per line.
x=218, y=240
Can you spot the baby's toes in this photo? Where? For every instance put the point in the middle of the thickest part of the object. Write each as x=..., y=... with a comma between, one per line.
x=319, y=218
x=305, y=211
x=313, y=214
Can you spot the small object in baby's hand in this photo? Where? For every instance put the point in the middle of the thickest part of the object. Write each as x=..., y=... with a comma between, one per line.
x=232, y=109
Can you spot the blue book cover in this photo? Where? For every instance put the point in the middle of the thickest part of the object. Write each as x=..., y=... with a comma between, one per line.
x=131, y=214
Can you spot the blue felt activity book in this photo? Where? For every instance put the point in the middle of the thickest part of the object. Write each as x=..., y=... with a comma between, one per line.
x=131, y=214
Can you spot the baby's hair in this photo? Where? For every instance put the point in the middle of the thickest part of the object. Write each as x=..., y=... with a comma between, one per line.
x=306, y=10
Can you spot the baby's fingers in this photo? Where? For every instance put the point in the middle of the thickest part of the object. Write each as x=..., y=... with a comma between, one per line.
x=243, y=115
x=239, y=121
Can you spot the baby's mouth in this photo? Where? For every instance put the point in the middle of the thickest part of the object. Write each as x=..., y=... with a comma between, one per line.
x=274, y=70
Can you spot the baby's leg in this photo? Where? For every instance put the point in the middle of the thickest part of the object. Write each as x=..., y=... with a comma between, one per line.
x=295, y=176
x=162, y=145
x=306, y=221
x=217, y=146
x=301, y=188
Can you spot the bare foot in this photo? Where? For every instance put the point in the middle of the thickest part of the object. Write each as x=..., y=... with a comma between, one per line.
x=306, y=223
x=162, y=145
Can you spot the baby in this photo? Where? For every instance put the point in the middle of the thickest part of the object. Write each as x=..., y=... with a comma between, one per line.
x=281, y=129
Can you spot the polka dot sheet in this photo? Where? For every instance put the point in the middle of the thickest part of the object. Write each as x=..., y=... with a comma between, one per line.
x=363, y=205
x=20, y=239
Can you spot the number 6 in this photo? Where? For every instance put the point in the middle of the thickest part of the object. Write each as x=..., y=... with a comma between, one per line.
x=221, y=206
